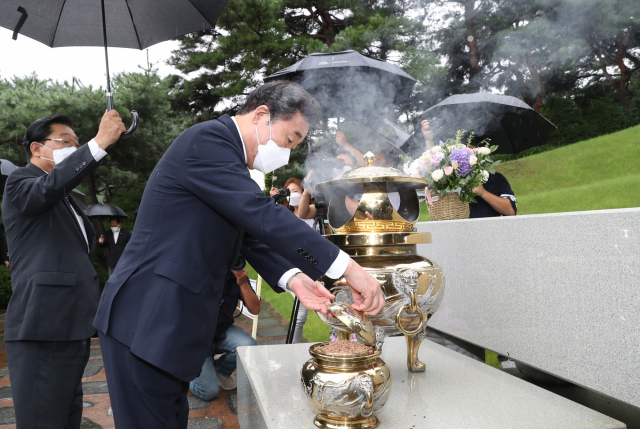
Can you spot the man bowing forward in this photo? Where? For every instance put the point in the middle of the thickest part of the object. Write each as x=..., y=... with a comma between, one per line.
x=200, y=209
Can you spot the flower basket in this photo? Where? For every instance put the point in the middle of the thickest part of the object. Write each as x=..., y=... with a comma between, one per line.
x=448, y=208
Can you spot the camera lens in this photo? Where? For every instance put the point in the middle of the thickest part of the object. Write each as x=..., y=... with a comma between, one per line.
x=239, y=264
x=285, y=192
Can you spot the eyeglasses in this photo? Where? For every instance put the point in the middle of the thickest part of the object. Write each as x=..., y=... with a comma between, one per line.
x=66, y=142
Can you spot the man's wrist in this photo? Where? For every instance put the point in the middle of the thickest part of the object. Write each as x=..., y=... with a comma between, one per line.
x=286, y=278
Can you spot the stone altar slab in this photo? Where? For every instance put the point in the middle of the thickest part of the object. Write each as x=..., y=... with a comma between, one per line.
x=559, y=292
x=455, y=392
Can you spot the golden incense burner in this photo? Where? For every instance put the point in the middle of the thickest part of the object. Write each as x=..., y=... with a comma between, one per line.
x=373, y=211
x=346, y=390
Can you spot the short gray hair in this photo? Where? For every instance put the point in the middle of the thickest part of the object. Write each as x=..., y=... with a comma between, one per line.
x=284, y=99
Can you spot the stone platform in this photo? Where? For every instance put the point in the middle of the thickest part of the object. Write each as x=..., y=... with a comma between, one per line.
x=455, y=392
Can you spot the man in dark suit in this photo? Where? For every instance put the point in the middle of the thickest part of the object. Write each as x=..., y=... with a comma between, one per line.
x=55, y=287
x=115, y=240
x=200, y=209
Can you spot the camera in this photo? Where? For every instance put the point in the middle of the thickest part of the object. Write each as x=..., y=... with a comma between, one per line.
x=282, y=193
x=239, y=264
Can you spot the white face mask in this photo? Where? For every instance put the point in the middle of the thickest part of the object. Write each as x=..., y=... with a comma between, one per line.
x=294, y=199
x=59, y=154
x=270, y=156
x=115, y=228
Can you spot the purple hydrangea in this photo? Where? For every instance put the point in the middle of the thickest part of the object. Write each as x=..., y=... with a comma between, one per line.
x=461, y=156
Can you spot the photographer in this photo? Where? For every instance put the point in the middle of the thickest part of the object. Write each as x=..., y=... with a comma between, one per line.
x=227, y=339
x=296, y=200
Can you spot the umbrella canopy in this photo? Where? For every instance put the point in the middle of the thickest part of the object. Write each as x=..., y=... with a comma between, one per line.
x=365, y=139
x=507, y=121
x=104, y=210
x=116, y=23
x=348, y=84
x=79, y=198
x=130, y=24
x=6, y=168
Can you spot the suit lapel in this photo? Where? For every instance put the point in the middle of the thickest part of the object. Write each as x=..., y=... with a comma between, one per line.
x=68, y=205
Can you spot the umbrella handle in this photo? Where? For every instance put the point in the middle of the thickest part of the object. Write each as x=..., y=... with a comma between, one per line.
x=134, y=118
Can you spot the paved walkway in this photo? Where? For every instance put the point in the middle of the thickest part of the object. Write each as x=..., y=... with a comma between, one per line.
x=217, y=414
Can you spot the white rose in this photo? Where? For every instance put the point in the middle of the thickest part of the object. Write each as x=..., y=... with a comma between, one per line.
x=414, y=168
x=484, y=150
x=436, y=149
x=437, y=175
x=485, y=174
x=473, y=160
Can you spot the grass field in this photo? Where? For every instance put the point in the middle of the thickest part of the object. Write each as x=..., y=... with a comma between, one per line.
x=597, y=174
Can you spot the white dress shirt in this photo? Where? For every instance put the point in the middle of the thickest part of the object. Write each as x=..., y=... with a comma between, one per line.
x=335, y=271
x=115, y=235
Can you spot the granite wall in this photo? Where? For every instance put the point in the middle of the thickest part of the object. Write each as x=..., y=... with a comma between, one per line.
x=560, y=292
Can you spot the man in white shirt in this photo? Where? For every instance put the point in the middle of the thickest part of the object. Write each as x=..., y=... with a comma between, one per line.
x=55, y=286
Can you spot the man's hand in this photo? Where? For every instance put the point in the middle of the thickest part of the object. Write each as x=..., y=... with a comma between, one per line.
x=479, y=190
x=6, y=264
x=341, y=139
x=312, y=295
x=426, y=132
x=111, y=127
x=241, y=276
x=101, y=240
x=366, y=291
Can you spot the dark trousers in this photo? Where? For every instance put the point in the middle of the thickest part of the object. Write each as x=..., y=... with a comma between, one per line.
x=46, y=382
x=142, y=395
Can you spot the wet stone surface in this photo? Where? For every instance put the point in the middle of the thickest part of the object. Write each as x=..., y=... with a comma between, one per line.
x=5, y=392
x=7, y=416
x=232, y=403
x=210, y=423
x=196, y=403
x=268, y=321
x=88, y=424
x=95, y=352
x=93, y=367
x=276, y=331
x=95, y=388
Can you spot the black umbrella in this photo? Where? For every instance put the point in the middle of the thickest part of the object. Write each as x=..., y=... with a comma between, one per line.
x=105, y=211
x=509, y=122
x=116, y=23
x=80, y=198
x=349, y=84
x=6, y=167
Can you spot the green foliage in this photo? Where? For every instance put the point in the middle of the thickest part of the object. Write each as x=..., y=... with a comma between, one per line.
x=5, y=286
x=255, y=38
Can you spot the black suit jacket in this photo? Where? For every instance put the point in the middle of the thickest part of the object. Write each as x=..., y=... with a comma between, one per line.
x=199, y=209
x=55, y=286
x=116, y=249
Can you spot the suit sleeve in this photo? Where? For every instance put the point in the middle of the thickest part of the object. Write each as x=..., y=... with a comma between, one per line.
x=213, y=170
x=269, y=264
x=36, y=195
